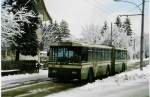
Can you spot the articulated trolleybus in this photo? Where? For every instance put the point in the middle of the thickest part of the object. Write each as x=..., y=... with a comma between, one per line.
x=73, y=60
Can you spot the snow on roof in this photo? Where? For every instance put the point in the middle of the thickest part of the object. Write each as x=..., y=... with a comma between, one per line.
x=9, y=70
x=43, y=52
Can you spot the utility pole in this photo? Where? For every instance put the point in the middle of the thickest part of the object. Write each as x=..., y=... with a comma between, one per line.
x=142, y=36
x=142, y=33
x=134, y=56
x=111, y=34
x=142, y=28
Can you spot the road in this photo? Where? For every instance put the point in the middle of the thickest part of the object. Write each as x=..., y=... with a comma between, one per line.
x=39, y=85
x=33, y=85
x=39, y=89
x=21, y=79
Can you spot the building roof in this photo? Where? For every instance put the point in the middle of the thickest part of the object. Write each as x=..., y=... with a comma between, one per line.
x=40, y=6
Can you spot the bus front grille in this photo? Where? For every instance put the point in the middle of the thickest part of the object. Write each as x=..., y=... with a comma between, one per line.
x=64, y=73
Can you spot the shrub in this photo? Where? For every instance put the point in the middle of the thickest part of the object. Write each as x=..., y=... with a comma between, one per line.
x=25, y=66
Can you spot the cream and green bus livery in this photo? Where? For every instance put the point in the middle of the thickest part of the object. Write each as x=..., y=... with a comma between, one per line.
x=73, y=60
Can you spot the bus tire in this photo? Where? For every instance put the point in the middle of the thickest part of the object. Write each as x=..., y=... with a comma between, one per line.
x=90, y=77
x=107, y=71
x=123, y=67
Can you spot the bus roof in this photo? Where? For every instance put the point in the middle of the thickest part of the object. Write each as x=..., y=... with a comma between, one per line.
x=80, y=44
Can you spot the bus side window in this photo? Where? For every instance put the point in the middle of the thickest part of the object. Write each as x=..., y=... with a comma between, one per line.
x=101, y=54
x=122, y=55
x=105, y=54
x=89, y=54
x=116, y=54
x=84, y=54
x=119, y=55
x=109, y=54
x=93, y=54
x=97, y=54
x=50, y=54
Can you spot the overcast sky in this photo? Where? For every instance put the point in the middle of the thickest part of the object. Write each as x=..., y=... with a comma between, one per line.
x=79, y=13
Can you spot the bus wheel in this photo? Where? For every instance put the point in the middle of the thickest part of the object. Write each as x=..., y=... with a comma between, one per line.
x=90, y=75
x=107, y=71
x=123, y=67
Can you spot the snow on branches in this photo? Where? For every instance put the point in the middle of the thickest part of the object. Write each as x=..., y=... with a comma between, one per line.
x=54, y=32
x=96, y=34
x=102, y=35
x=91, y=33
x=119, y=37
x=11, y=23
x=48, y=35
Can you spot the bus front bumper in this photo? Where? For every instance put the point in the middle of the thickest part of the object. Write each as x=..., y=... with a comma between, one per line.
x=62, y=72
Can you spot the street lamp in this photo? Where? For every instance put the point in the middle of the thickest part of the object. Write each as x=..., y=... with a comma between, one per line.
x=142, y=28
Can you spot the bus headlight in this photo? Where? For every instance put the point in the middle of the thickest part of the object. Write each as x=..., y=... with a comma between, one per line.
x=74, y=72
x=53, y=71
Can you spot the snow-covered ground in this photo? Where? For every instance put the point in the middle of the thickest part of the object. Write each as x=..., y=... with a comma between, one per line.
x=136, y=60
x=134, y=83
x=12, y=80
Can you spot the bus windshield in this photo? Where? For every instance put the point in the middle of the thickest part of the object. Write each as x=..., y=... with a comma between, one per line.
x=65, y=55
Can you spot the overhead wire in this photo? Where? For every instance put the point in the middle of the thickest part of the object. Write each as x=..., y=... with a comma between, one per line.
x=102, y=4
x=108, y=9
x=138, y=5
x=101, y=8
x=96, y=7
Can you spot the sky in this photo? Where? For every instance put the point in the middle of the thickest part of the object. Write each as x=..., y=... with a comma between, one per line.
x=79, y=13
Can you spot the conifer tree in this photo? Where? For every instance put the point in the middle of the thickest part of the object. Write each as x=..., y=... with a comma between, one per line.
x=127, y=27
x=118, y=22
x=27, y=44
x=55, y=33
x=104, y=29
x=64, y=30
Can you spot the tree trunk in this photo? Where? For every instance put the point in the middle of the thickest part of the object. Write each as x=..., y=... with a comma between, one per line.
x=17, y=55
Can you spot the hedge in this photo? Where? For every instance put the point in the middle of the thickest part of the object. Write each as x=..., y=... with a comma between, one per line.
x=25, y=66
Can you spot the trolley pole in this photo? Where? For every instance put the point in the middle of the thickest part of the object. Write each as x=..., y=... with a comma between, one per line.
x=142, y=36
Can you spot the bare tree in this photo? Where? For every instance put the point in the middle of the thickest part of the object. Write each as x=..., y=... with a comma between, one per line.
x=91, y=33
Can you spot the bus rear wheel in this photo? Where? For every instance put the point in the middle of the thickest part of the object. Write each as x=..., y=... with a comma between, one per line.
x=90, y=75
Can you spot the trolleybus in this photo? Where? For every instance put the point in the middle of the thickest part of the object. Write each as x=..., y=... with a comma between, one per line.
x=74, y=60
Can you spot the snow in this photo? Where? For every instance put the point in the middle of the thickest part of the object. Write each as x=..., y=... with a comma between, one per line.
x=128, y=84
x=53, y=32
x=118, y=37
x=11, y=80
x=28, y=57
x=137, y=60
x=11, y=23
